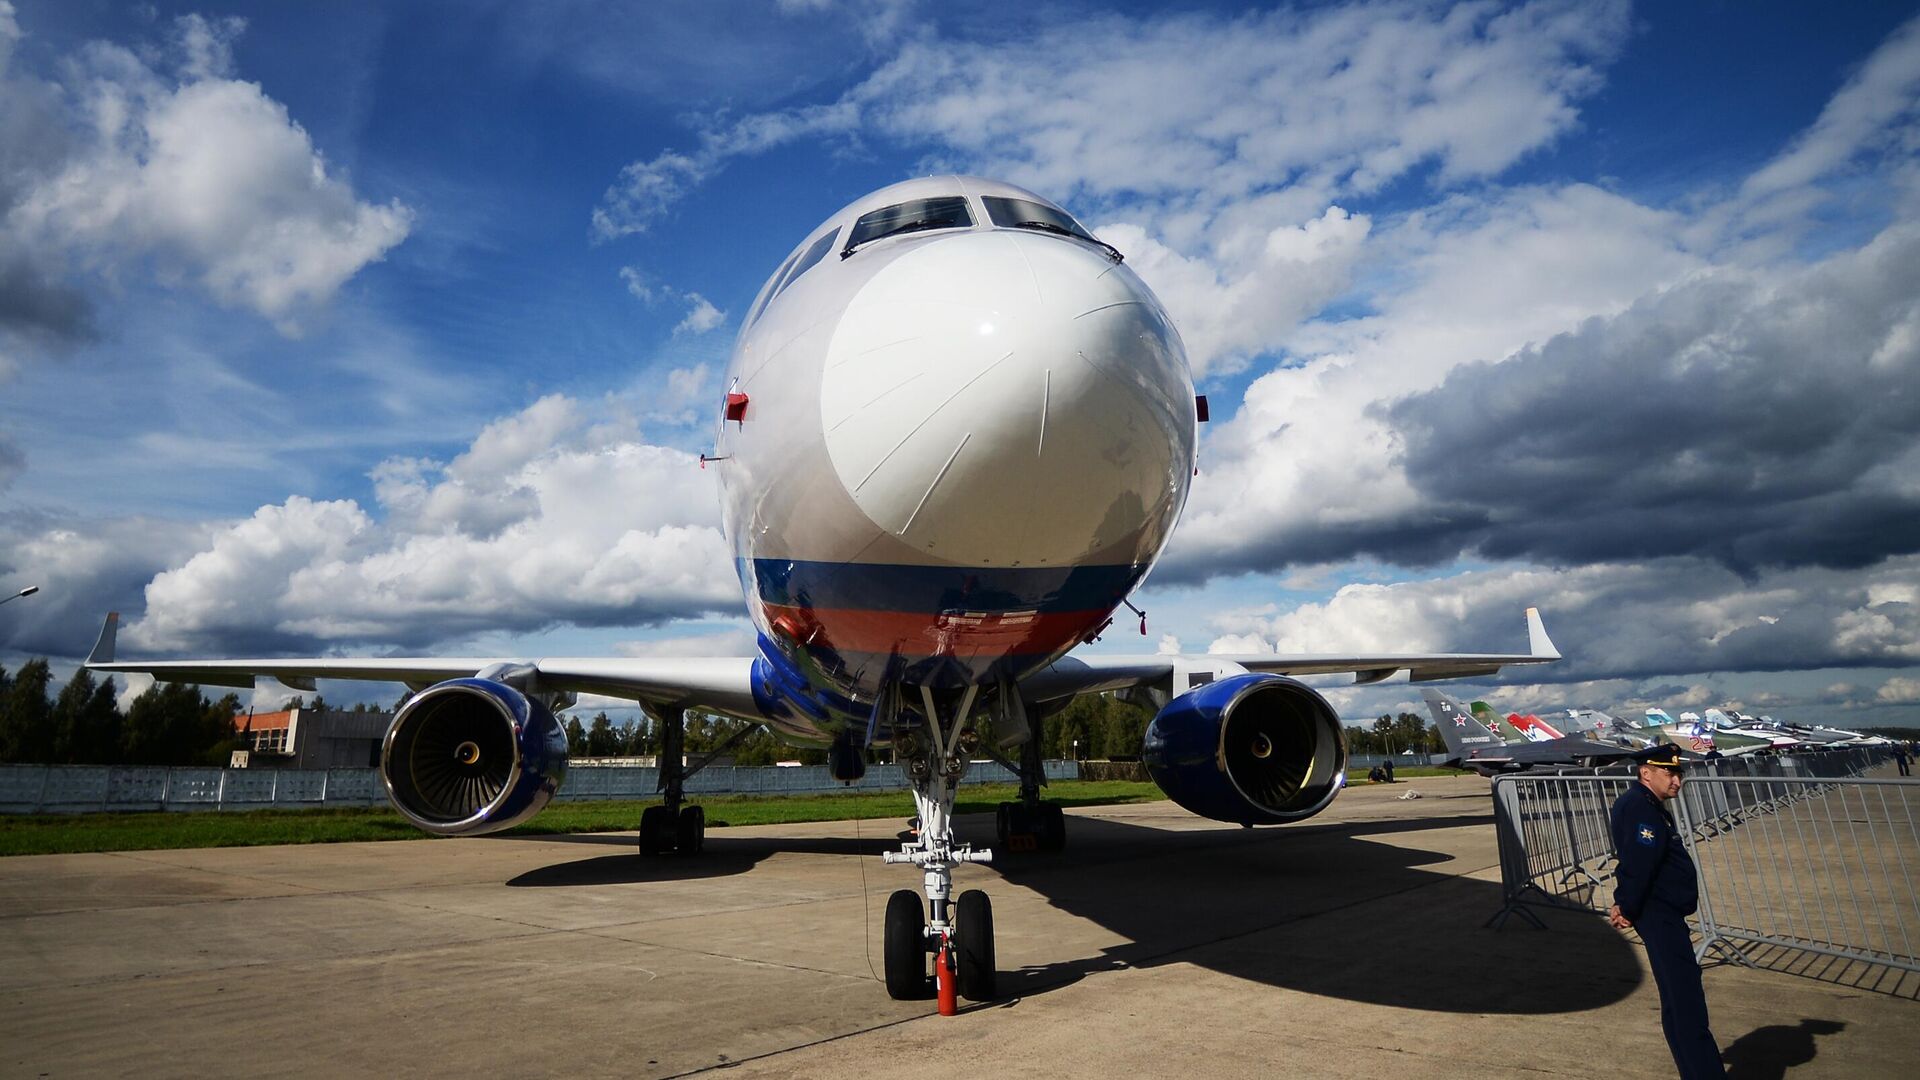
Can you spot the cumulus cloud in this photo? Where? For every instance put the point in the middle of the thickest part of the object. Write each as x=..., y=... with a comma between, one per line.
x=85, y=567
x=1637, y=620
x=1761, y=419
x=1310, y=471
x=1899, y=690
x=557, y=514
x=161, y=161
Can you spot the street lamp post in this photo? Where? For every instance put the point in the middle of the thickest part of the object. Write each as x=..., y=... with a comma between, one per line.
x=28, y=591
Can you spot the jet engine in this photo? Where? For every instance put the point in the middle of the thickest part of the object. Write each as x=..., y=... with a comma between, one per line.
x=471, y=756
x=1252, y=749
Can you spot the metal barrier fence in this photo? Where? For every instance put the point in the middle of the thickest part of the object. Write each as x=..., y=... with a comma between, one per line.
x=58, y=789
x=1800, y=856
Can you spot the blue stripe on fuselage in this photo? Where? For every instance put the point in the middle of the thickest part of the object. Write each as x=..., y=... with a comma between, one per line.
x=934, y=589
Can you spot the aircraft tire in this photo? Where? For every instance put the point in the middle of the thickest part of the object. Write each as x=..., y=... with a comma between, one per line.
x=973, y=946
x=1052, y=828
x=653, y=831
x=690, y=832
x=905, y=948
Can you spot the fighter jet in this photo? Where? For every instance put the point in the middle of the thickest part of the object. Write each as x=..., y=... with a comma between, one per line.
x=1473, y=745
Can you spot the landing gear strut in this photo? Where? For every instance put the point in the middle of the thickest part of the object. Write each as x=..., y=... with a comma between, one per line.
x=674, y=826
x=935, y=759
x=1030, y=825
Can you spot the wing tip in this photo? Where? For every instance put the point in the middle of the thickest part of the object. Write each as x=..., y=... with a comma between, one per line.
x=104, y=646
x=1538, y=643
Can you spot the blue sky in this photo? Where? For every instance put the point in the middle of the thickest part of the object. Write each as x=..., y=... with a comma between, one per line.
x=335, y=327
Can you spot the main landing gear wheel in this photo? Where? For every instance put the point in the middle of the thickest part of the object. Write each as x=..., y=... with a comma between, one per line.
x=906, y=947
x=690, y=832
x=654, y=826
x=662, y=831
x=973, y=946
x=1018, y=827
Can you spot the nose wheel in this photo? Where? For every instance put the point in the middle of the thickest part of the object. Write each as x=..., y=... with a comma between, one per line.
x=911, y=942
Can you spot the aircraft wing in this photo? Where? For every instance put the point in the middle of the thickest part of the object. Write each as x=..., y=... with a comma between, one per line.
x=1093, y=674
x=724, y=684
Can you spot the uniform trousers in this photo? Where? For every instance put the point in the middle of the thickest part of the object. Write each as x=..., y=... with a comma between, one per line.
x=1683, y=1001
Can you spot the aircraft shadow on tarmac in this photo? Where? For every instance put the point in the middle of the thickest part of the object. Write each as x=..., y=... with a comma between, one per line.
x=1331, y=910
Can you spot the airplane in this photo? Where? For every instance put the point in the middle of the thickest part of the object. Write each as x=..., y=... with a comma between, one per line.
x=1514, y=727
x=1606, y=727
x=1473, y=745
x=956, y=435
x=1816, y=734
x=1720, y=727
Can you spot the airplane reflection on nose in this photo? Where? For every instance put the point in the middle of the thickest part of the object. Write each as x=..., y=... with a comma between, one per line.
x=1010, y=400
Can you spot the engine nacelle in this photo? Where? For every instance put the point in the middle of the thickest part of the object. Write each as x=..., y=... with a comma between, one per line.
x=1250, y=749
x=470, y=756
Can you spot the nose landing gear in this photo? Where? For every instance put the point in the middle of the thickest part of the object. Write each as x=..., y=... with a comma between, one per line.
x=934, y=763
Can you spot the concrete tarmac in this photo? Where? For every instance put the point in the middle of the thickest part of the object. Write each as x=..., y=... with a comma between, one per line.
x=1157, y=944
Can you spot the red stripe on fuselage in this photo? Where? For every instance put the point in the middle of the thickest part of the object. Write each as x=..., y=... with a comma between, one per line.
x=915, y=634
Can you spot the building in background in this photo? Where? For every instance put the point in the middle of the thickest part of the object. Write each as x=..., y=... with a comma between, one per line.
x=312, y=738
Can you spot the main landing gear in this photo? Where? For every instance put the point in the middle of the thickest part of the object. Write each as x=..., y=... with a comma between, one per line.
x=1030, y=825
x=958, y=934
x=674, y=827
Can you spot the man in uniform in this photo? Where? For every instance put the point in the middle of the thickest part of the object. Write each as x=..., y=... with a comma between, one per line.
x=1656, y=891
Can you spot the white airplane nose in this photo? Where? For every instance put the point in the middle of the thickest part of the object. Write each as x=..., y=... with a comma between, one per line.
x=1011, y=400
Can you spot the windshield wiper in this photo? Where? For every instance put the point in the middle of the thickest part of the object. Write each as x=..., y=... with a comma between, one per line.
x=912, y=226
x=1061, y=230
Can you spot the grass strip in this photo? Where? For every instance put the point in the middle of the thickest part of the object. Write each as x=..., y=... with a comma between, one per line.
x=52, y=834
x=49, y=834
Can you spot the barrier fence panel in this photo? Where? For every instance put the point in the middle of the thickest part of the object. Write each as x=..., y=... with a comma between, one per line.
x=65, y=789
x=1800, y=857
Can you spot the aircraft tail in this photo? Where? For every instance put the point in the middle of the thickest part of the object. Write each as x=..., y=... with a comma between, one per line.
x=1539, y=730
x=1498, y=724
x=1462, y=733
x=1658, y=718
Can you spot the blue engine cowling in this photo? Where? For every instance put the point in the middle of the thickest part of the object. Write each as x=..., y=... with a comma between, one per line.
x=1251, y=749
x=471, y=756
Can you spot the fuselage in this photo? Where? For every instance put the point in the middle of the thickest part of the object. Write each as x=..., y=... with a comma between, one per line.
x=959, y=432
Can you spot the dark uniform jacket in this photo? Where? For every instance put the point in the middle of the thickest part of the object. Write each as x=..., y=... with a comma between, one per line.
x=1653, y=861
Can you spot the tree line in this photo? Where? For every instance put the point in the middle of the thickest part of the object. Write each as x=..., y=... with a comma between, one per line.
x=175, y=724
x=167, y=724
x=1394, y=735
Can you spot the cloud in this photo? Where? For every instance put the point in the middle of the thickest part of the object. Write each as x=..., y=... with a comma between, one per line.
x=1760, y=419
x=128, y=165
x=556, y=515
x=1875, y=110
x=1899, y=690
x=12, y=460
x=701, y=315
x=1663, y=617
x=1331, y=101
x=85, y=567
x=1310, y=470
x=736, y=642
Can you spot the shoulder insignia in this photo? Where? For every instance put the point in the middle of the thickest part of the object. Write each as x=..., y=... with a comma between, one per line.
x=1647, y=835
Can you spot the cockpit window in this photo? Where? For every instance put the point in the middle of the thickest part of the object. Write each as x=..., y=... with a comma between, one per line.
x=773, y=286
x=1027, y=214
x=946, y=212
x=805, y=263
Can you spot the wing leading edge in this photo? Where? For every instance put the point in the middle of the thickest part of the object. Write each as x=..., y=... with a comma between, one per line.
x=723, y=684
x=1091, y=674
